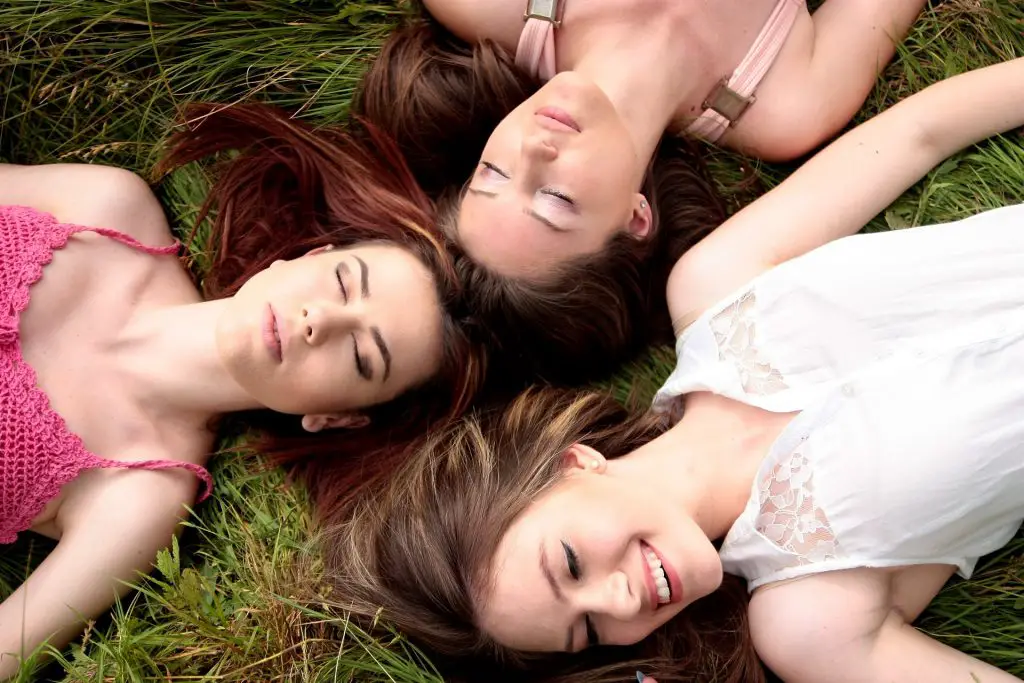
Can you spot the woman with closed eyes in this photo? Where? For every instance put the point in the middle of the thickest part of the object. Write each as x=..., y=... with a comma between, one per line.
x=842, y=432
x=557, y=194
x=327, y=307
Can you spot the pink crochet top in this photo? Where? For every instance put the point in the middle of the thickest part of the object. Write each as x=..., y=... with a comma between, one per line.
x=38, y=454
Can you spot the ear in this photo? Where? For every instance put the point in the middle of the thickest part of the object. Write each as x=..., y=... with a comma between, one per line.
x=578, y=457
x=319, y=250
x=641, y=218
x=318, y=423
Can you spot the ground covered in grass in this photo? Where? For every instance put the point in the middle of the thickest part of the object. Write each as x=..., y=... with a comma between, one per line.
x=242, y=598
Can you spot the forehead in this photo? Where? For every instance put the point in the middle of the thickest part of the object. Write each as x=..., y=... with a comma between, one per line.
x=498, y=234
x=521, y=611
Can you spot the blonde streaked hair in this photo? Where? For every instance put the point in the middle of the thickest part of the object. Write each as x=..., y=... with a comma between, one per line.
x=419, y=550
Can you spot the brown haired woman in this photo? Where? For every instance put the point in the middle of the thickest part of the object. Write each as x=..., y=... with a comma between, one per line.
x=561, y=212
x=849, y=444
x=329, y=306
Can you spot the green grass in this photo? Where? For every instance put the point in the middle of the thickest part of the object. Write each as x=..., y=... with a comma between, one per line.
x=242, y=598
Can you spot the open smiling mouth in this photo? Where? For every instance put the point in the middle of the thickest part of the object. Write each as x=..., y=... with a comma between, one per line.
x=657, y=572
x=662, y=580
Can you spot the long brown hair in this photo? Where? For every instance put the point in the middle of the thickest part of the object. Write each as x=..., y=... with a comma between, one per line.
x=441, y=99
x=290, y=189
x=601, y=309
x=420, y=550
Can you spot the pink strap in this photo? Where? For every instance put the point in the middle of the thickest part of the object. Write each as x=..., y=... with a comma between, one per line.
x=535, y=53
x=201, y=472
x=131, y=241
x=710, y=125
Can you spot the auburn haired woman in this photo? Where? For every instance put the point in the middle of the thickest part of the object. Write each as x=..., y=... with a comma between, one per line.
x=330, y=306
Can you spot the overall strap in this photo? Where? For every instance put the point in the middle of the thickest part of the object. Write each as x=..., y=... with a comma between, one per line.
x=731, y=98
x=535, y=53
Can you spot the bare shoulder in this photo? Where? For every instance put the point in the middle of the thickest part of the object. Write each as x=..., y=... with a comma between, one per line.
x=476, y=20
x=89, y=194
x=135, y=501
x=839, y=612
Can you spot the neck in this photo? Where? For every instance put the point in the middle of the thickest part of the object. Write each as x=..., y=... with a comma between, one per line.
x=170, y=355
x=634, y=63
x=708, y=461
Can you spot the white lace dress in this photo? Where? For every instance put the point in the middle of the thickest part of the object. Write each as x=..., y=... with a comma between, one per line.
x=903, y=352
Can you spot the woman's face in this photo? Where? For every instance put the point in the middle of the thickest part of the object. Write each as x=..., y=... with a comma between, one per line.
x=589, y=563
x=333, y=332
x=558, y=178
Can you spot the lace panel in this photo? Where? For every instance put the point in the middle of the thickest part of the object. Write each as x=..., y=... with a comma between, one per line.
x=735, y=334
x=790, y=518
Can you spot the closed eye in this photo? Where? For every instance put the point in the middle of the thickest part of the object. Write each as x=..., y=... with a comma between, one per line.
x=341, y=282
x=592, y=639
x=362, y=365
x=489, y=167
x=561, y=196
x=572, y=561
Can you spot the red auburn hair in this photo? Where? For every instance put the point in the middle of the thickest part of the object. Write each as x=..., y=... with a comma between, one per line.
x=290, y=189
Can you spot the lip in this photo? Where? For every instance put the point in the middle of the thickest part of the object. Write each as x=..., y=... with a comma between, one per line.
x=554, y=118
x=674, y=584
x=272, y=334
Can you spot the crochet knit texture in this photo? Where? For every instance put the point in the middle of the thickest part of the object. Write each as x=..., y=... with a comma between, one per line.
x=38, y=454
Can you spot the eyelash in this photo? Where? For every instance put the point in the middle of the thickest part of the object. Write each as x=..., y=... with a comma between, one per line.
x=575, y=571
x=491, y=167
x=361, y=365
x=559, y=195
x=344, y=290
x=572, y=560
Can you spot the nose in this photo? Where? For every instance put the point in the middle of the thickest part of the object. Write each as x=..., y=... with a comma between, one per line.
x=612, y=596
x=324, y=320
x=537, y=148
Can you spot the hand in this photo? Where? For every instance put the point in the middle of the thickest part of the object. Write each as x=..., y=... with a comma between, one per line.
x=641, y=677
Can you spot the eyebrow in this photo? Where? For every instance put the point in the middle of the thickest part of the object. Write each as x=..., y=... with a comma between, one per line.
x=556, y=590
x=364, y=275
x=529, y=212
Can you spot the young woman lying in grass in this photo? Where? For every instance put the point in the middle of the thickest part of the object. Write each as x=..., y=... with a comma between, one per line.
x=842, y=430
x=328, y=306
x=563, y=193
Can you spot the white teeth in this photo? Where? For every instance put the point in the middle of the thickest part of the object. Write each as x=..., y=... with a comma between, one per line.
x=658, y=574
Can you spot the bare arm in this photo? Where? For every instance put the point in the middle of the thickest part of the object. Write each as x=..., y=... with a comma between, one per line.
x=842, y=187
x=108, y=538
x=87, y=194
x=837, y=58
x=841, y=630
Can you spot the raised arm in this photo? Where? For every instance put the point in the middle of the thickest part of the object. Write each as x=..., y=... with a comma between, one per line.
x=849, y=182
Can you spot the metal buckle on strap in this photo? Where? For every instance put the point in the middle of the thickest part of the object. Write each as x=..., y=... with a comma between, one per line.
x=543, y=9
x=727, y=102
